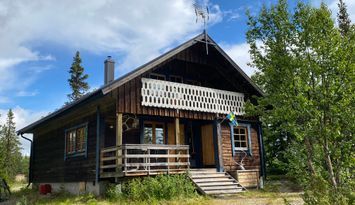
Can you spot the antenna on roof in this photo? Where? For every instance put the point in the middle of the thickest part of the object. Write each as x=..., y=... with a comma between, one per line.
x=203, y=13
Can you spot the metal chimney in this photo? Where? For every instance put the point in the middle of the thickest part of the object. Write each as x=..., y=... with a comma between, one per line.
x=109, y=70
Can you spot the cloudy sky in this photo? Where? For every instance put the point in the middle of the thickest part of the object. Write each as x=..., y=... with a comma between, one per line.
x=38, y=39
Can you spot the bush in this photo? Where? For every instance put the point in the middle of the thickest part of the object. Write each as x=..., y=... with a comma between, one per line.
x=160, y=187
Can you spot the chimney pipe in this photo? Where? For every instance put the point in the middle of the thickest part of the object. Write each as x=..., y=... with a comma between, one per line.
x=109, y=70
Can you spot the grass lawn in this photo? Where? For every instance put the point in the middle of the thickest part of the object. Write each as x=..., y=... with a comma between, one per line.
x=278, y=190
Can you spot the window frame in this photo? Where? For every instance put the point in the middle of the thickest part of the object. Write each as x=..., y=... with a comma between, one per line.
x=153, y=126
x=156, y=76
x=248, y=139
x=176, y=77
x=193, y=82
x=76, y=153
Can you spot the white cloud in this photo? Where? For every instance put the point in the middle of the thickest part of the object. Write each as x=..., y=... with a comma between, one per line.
x=24, y=93
x=22, y=118
x=239, y=53
x=137, y=30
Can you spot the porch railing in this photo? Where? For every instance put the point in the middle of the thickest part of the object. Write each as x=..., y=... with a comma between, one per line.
x=143, y=159
x=165, y=94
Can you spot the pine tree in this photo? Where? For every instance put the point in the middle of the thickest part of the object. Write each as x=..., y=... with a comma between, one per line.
x=77, y=79
x=9, y=148
x=343, y=18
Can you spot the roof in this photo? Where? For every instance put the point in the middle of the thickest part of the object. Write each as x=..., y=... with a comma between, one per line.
x=138, y=71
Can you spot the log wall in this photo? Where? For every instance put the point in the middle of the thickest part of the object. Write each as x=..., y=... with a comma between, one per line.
x=250, y=162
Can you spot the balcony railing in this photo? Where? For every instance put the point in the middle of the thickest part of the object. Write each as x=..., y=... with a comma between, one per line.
x=143, y=159
x=165, y=94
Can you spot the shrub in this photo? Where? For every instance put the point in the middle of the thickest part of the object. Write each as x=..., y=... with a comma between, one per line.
x=160, y=187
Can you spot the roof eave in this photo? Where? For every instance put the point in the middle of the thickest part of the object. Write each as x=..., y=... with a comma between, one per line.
x=29, y=128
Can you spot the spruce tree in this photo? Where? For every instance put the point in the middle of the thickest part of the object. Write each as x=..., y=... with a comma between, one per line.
x=77, y=79
x=10, y=148
x=343, y=18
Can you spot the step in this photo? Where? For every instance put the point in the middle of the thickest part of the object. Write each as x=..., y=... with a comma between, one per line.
x=195, y=176
x=221, y=187
x=203, y=171
x=213, y=179
x=216, y=184
x=218, y=192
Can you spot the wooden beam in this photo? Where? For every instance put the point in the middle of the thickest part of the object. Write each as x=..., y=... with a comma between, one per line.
x=218, y=145
x=98, y=122
x=177, y=131
x=118, y=138
x=118, y=129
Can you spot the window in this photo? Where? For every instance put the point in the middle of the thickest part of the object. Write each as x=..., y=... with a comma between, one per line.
x=153, y=133
x=175, y=78
x=157, y=76
x=75, y=141
x=193, y=82
x=240, y=138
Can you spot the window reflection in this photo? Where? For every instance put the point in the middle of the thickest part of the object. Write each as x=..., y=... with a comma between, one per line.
x=153, y=133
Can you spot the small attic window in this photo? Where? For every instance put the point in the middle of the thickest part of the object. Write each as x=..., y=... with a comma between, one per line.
x=175, y=78
x=157, y=76
x=193, y=82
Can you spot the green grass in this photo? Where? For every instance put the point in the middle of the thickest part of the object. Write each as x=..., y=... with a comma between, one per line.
x=28, y=196
x=279, y=190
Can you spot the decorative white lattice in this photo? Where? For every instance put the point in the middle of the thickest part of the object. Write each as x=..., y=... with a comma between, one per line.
x=165, y=94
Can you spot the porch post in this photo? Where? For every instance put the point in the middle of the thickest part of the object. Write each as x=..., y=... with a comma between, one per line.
x=118, y=129
x=177, y=131
x=118, y=142
x=218, y=145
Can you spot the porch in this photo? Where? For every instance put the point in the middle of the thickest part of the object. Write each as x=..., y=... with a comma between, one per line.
x=171, y=128
x=144, y=159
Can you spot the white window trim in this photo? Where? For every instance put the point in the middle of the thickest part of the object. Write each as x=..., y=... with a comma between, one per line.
x=248, y=148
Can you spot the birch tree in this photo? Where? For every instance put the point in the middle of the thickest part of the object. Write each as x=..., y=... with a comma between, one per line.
x=306, y=68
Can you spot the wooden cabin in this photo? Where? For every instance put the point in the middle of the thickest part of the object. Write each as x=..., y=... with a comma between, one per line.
x=167, y=116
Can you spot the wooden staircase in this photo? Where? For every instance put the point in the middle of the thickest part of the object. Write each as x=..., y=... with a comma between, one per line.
x=211, y=182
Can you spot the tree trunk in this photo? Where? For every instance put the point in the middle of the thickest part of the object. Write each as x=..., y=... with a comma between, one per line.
x=309, y=150
x=329, y=163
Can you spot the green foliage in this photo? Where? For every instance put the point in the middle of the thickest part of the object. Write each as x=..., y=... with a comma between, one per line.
x=10, y=155
x=306, y=67
x=161, y=187
x=343, y=18
x=77, y=79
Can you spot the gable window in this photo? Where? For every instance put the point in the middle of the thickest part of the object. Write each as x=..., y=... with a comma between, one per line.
x=240, y=138
x=193, y=82
x=175, y=78
x=153, y=133
x=157, y=76
x=75, y=141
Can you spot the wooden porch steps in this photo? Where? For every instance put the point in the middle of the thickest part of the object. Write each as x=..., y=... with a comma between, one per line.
x=213, y=183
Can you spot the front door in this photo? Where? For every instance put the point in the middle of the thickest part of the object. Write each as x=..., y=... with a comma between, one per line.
x=208, y=158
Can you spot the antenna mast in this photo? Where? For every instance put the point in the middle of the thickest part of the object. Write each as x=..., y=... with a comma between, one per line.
x=203, y=13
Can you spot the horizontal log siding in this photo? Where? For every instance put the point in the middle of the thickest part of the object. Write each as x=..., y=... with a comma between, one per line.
x=252, y=162
x=49, y=164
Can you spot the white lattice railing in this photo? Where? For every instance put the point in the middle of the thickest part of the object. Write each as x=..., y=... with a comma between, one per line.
x=165, y=94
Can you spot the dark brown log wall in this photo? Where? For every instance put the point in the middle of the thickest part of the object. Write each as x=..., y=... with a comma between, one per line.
x=49, y=164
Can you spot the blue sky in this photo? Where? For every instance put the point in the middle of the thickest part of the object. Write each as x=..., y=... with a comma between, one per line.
x=39, y=38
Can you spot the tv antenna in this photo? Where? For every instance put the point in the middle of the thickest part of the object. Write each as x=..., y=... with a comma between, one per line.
x=202, y=13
